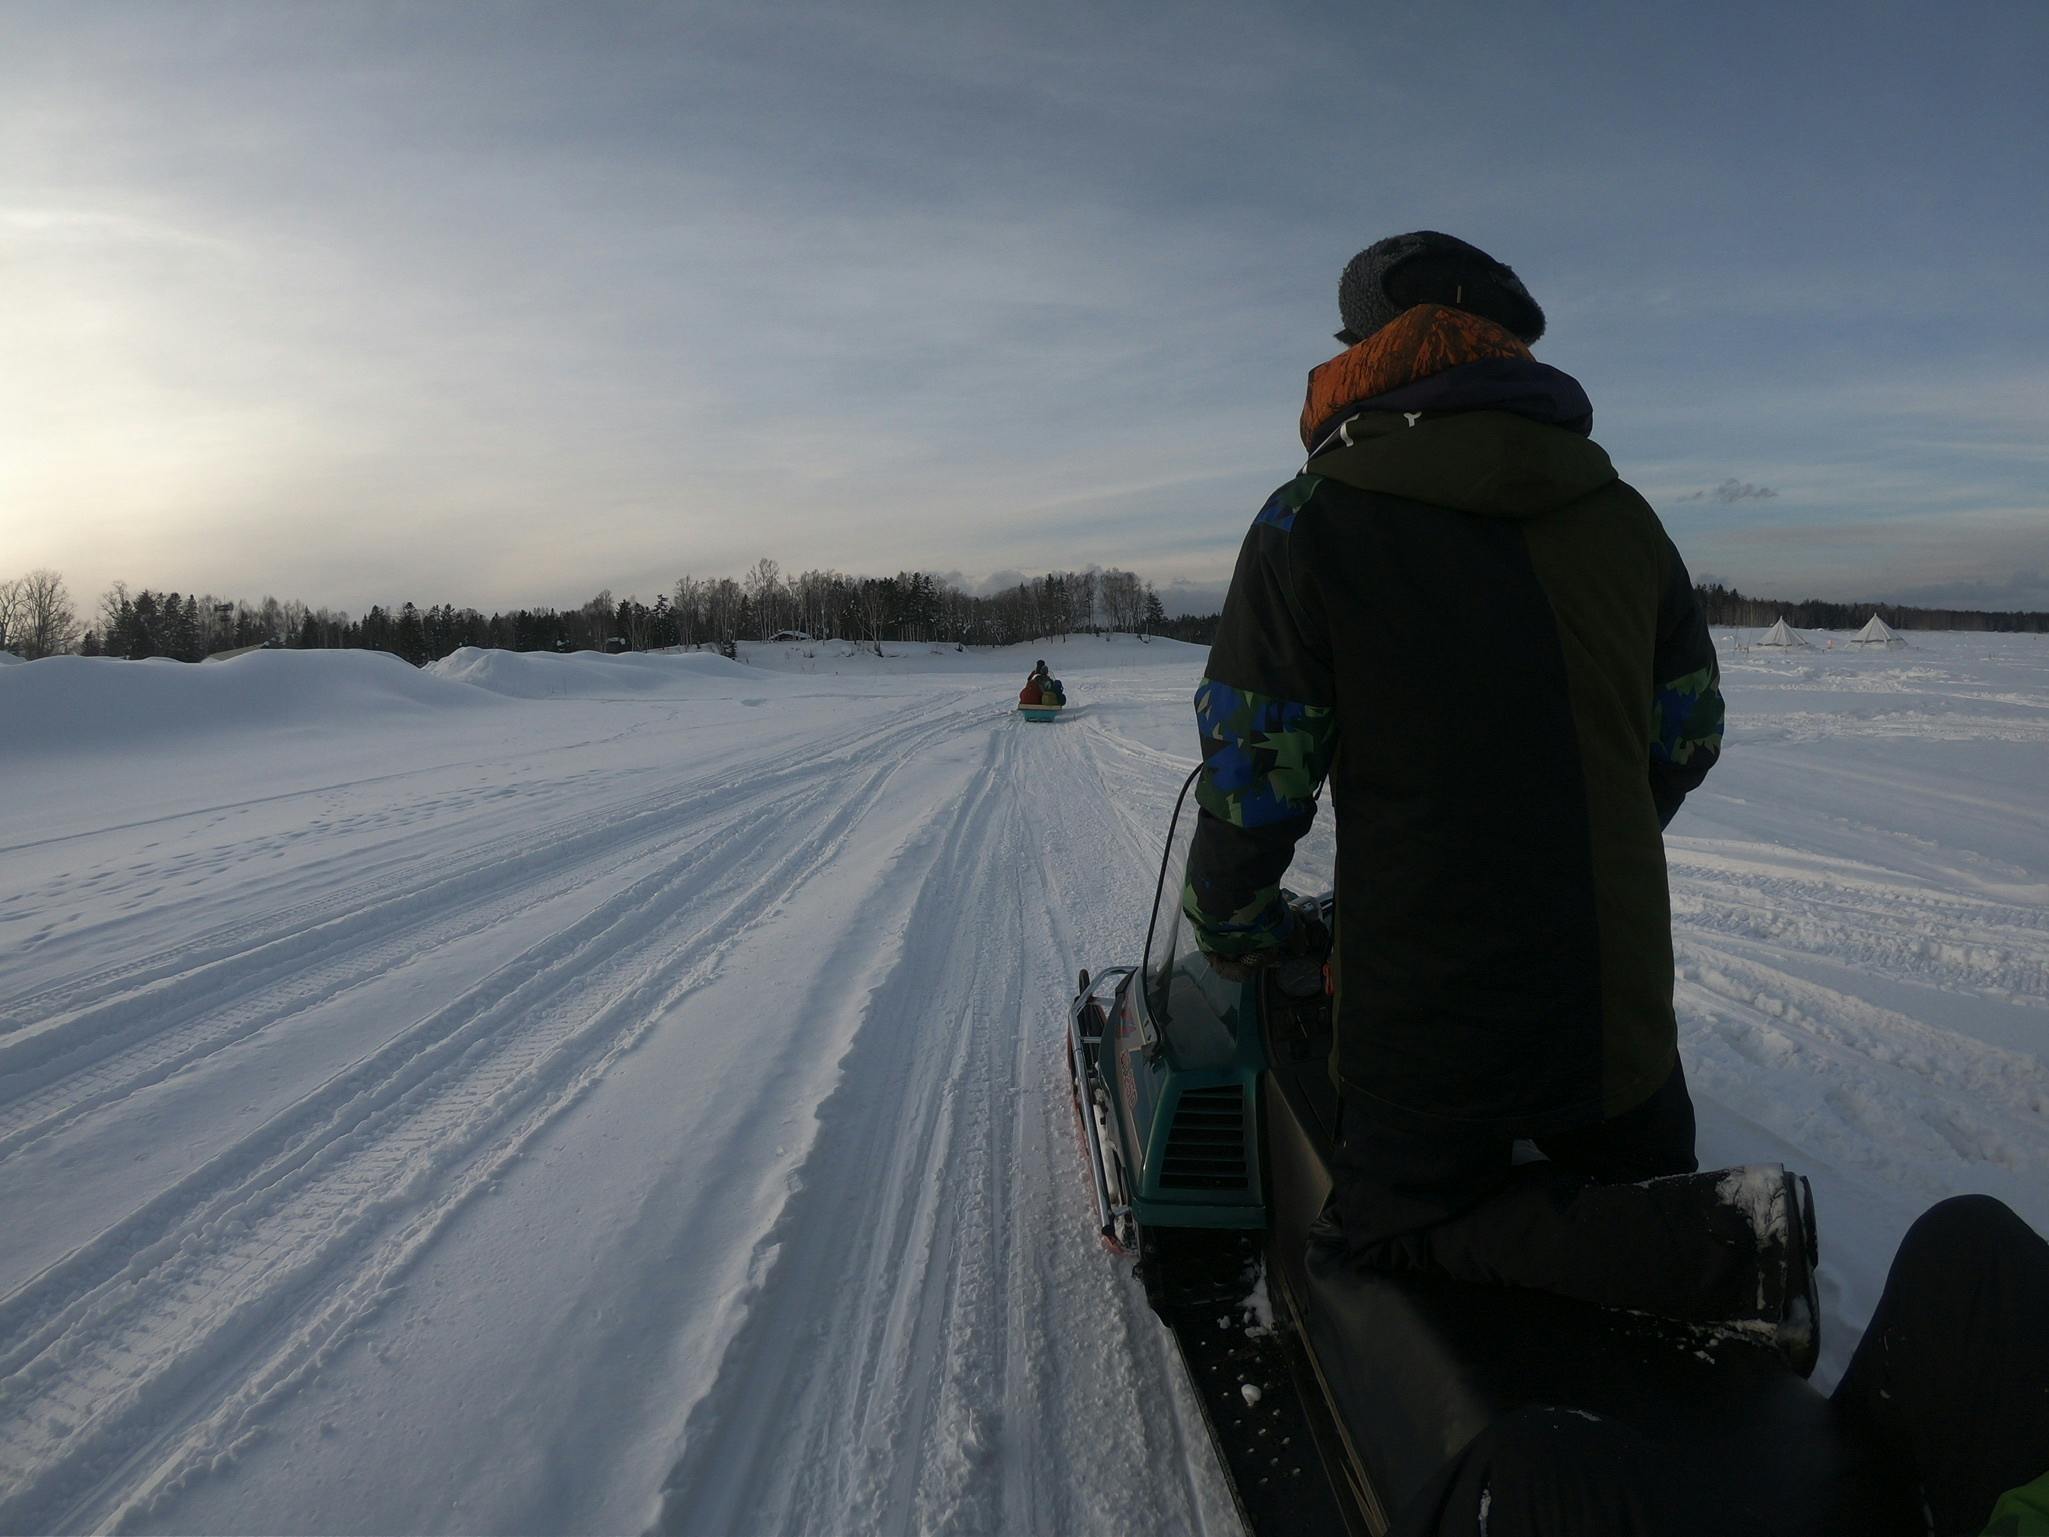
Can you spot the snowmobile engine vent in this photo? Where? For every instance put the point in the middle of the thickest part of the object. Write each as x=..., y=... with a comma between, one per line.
x=1206, y=1148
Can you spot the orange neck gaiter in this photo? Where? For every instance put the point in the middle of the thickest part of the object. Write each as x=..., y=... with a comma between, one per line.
x=1414, y=345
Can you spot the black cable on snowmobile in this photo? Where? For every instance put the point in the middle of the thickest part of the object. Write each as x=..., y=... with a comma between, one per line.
x=1145, y=962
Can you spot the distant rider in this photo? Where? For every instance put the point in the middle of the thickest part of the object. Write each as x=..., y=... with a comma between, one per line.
x=1486, y=642
x=1041, y=688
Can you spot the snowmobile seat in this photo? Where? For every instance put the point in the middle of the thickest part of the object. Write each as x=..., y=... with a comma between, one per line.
x=1415, y=1367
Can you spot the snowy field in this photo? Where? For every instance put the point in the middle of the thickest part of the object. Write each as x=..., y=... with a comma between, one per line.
x=481, y=1099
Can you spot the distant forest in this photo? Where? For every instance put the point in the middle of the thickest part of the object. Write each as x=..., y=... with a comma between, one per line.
x=37, y=617
x=1727, y=606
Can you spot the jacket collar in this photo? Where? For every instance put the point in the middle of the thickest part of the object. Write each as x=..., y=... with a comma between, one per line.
x=1435, y=358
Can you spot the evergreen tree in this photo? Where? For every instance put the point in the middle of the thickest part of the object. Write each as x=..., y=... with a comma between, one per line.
x=142, y=627
x=191, y=633
x=410, y=638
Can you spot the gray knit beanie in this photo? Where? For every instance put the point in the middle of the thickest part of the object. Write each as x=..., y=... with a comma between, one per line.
x=1425, y=267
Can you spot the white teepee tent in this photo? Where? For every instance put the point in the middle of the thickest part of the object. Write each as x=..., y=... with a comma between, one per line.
x=1781, y=634
x=1877, y=633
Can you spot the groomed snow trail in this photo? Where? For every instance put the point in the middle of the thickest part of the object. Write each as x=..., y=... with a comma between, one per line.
x=214, y=1296
x=636, y=1097
x=978, y=1342
x=950, y=1351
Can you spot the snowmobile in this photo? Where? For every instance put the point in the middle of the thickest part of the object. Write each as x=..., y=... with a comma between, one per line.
x=1047, y=709
x=1206, y=1116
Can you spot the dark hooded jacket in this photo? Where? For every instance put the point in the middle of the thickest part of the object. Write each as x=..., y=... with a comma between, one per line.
x=1484, y=639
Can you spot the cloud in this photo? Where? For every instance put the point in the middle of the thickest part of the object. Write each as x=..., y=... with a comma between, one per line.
x=2023, y=588
x=1730, y=491
x=367, y=304
x=1185, y=597
x=1986, y=558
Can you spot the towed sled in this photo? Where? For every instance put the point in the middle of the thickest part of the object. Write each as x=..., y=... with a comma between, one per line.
x=1042, y=704
x=1206, y=1117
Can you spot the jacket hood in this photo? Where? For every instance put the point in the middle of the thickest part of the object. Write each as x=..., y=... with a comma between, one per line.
x=1499, y=463
x=1424, y=340
x=1441, y=406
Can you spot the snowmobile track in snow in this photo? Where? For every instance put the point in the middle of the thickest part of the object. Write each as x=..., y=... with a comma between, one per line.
x=103, y=1038
x=151, y=1350
x=901, y=1416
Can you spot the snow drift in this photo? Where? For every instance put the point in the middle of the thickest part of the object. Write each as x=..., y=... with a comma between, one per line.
x=594, y=675
x=67, y=702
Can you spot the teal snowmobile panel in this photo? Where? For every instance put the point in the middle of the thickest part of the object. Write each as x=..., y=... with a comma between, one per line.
x=1186, y=1091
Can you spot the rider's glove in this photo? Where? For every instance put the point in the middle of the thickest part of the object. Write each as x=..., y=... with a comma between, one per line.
x=1305, y=938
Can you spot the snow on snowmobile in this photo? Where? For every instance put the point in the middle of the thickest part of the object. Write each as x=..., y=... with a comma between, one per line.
x=1206, y=1115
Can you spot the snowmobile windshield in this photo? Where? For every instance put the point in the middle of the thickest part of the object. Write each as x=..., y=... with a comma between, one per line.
x=1165, y=934
x=1171, y=949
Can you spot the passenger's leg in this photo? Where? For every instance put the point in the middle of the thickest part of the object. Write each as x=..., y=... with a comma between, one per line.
x=1393, y=1177
x=1440, y=1200
x=1648, y=1142
x=1953, y=1374
x=1545, y=1472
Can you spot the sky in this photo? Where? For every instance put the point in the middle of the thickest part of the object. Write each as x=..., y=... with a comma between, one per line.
x=502, y=304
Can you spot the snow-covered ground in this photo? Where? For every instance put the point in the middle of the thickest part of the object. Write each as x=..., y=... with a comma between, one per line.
x=482, y=1099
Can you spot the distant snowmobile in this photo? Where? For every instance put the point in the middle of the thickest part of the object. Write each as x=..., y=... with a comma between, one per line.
x=1043, y=696
x=1206, y=1113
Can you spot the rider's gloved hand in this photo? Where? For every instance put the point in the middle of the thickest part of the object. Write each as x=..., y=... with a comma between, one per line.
x=1305, y=938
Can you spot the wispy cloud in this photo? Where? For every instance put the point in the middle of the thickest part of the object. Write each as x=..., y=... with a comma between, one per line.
x=1732, y=490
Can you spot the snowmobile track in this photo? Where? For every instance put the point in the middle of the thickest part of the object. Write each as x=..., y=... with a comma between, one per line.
x=967, y=1362
x=175, y=1327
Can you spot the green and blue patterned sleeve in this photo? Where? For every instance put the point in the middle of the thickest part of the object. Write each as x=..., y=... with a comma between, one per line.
x=1269, y=728
x=1686, y=696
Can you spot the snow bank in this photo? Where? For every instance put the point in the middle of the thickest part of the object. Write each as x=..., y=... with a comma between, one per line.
x=68, y=702
x=594, y=675
x=9, y=659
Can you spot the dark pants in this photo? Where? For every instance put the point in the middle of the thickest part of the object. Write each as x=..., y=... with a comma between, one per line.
x=1547, y=1472
x=1951, y=1379
x=1416, y=1196
x=1952, y=1376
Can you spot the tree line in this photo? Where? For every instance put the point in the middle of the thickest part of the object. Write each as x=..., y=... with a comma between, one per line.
x=1726, y=606
x=38, y=619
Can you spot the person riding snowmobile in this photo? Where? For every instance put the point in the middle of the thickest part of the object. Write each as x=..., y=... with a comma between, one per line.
x=1041, y=688
x=1460, y=616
